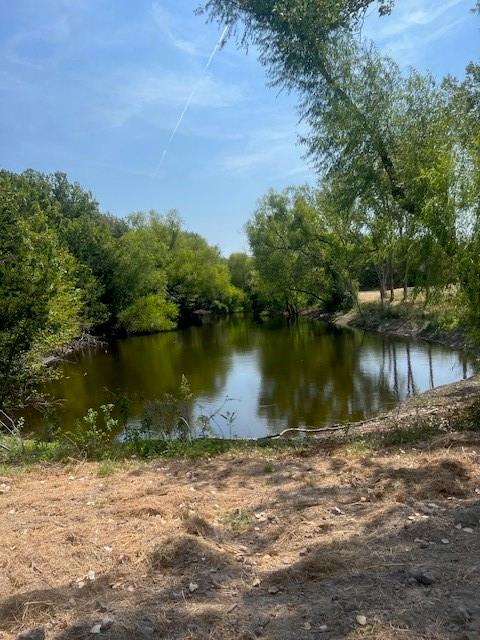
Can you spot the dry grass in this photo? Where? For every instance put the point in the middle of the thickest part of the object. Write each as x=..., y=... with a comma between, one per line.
x=332, y=536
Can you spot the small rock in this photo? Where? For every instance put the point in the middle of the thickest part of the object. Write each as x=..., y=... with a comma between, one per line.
x=90, y=575
x=362, y=620
x=445, y=541
x=192, y=587
x=4, y=488
x=261, y=517
x=307, y=626
x=323, y=628
x=32, y=634
x=106, y=624
x=96, y=629
x=273, y=590
x=256, y=582
x=424, y=578
x=468, y=529
x=422, y=543
x=304, y=551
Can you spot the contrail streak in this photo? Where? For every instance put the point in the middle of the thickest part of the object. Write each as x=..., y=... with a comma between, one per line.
x=191, y=96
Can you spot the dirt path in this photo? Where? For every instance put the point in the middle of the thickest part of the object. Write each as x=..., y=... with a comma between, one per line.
x=251, y=547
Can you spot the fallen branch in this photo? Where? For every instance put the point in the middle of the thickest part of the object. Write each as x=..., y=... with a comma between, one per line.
x=333, y=427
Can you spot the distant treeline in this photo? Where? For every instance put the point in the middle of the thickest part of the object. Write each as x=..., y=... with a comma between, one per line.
x=67, y=269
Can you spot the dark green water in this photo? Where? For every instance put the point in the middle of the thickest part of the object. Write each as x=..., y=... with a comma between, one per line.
x=277, y=374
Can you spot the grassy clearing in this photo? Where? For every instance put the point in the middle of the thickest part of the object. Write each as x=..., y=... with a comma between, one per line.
x=119, y=456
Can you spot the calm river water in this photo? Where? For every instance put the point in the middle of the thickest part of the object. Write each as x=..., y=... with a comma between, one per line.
x=272, y=374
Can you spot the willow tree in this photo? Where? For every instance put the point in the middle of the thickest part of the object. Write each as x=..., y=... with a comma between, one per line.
x=385, y=134
x=309, y=46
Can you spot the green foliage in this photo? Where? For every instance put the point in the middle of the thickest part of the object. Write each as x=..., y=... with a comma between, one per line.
x=94, y=434
x=237, y=521
x=171, y=417
x=66, y=269
x=148, y=314
x=398, y=158
x=294, y=243
x=40, y=304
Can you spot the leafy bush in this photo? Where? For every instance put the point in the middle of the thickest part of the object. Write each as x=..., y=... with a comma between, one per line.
x=148, y=314
x=94, y=433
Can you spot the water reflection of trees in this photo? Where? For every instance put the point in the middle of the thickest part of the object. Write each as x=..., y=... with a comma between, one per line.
x=309, y=373
x=147, y=367
x=314, y=375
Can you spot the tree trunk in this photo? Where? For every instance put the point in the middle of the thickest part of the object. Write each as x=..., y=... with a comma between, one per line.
x=392, y=283
x=405, y=281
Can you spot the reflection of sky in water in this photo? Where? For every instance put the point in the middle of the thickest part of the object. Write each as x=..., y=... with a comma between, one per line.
x=276, y=374
x=241, y=387
x=431, y=366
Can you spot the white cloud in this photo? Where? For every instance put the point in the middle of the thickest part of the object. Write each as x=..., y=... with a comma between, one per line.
x=411, y=14
x=165, y=22
x=275, y=148
x=406, y=48
x=413, y=25
x=140, y=92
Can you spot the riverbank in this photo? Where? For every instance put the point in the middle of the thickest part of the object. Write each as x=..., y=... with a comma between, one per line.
x=446, y=409
x=403, y=319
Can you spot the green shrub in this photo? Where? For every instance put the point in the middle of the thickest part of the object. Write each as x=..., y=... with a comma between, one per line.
x=148, y=314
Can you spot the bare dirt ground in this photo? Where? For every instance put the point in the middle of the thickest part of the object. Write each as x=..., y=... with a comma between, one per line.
x=330, y=544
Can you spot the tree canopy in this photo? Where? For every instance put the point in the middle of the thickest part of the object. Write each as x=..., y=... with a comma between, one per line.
x=66, y=268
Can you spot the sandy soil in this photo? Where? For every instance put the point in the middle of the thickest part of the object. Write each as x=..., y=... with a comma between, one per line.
x=332, y=544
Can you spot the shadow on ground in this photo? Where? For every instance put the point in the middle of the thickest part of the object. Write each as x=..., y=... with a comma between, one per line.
x=325, y=545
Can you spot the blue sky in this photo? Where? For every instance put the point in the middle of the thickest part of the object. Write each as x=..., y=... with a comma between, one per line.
x=95, y=87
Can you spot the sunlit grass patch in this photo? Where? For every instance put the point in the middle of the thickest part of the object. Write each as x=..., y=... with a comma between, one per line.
x=237, y=520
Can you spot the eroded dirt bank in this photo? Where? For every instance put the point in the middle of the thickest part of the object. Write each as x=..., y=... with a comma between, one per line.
x=339, y=542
